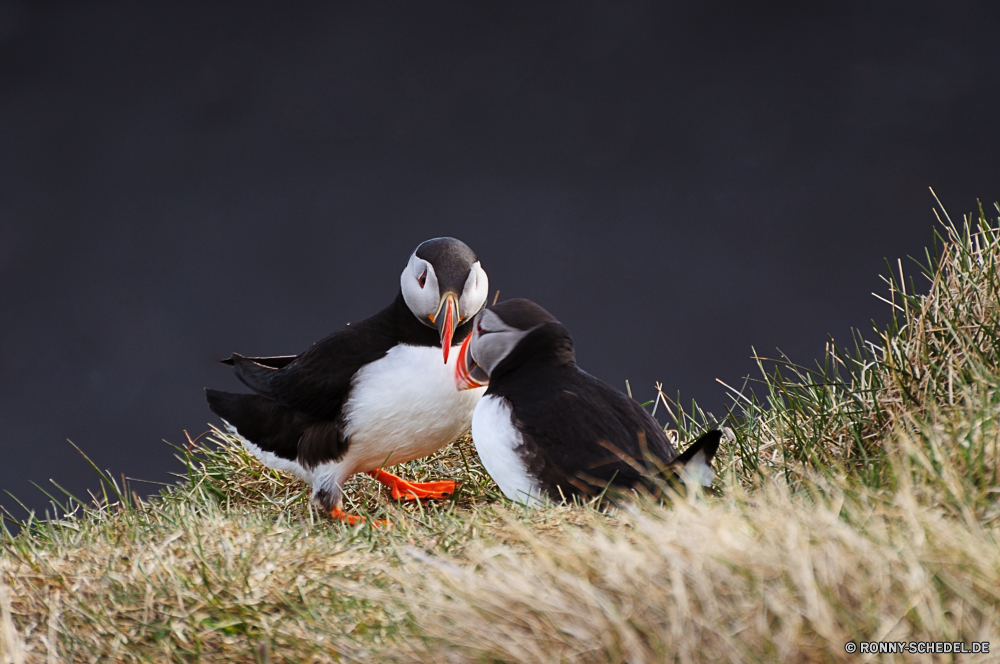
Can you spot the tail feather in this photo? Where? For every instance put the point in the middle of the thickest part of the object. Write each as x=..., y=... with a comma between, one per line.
x=255, y=376
x=266, y=424
x=696, y=461
x=276, y=362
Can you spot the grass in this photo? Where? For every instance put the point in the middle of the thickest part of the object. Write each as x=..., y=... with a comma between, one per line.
x=858, y=501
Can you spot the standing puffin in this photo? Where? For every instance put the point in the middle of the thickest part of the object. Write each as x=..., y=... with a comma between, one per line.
x=547, y=429
x=375, y=393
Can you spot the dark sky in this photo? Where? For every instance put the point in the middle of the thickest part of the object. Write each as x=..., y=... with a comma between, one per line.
x=678, y=182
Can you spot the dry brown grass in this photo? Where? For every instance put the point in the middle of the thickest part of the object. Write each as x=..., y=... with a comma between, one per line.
x=234, y=565
x=769, y=577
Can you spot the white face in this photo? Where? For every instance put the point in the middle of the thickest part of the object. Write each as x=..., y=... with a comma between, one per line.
x=493, y=340
x=422, y=293
x=474, y=294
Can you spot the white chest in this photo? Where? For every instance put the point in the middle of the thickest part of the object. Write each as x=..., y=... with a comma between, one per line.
x=405, y=406
x=496, y=442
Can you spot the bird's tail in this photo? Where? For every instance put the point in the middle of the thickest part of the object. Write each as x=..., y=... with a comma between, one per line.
x=696, y=461
x=261, y=421
x=276, y=362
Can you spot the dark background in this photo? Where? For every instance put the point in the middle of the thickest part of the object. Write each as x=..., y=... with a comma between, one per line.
x=678, y=182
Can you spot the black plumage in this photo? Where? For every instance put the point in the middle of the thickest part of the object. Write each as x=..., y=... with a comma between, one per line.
x=296, y=410
x=379, y=391
x=575, y=428
x=574, y=433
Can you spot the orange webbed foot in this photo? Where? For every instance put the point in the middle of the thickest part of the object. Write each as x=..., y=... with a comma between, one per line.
x=403, y=490
x=338, y=514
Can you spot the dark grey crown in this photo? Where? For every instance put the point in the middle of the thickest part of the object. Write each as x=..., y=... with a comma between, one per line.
x=451, y=259
x=522, y=314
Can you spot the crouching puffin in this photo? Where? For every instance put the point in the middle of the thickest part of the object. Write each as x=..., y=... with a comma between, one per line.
x=547, y=429
x=378, y=392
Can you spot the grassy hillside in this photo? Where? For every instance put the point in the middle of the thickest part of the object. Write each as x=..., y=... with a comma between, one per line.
x=858, y=502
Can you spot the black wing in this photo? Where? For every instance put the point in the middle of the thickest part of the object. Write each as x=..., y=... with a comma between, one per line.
x=581, y=434
x=296, y=411
x=316, y=382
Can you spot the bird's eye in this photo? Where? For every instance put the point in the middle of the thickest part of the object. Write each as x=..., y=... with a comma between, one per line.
x=479, y=327
x=422, y=279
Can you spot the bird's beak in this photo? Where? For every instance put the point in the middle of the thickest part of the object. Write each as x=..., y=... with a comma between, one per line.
x=468, y=374
x=446, y=319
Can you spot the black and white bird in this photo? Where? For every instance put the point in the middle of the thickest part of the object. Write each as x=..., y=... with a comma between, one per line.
x=547, y=429
x=376, y=393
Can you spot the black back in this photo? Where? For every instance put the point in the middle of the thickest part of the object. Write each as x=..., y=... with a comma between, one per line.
x=296, y=411
x=579, y=433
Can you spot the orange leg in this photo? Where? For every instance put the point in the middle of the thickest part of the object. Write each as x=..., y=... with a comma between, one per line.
x=403, y=490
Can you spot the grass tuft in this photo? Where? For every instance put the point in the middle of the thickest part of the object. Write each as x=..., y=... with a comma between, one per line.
x=928, y=387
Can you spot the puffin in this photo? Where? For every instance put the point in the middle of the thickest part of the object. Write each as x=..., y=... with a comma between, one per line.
x=375, y=393
x=547, y=430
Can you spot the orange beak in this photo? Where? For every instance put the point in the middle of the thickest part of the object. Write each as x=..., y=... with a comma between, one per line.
x=468, y=374
x=446, y=319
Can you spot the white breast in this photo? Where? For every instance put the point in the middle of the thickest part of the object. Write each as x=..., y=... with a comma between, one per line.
x=405, y=406
x=497, y=441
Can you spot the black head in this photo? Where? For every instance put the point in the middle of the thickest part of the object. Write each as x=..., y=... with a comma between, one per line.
x=501, y=335
x=521, y=314
x=444, y=285
x=452, y=259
